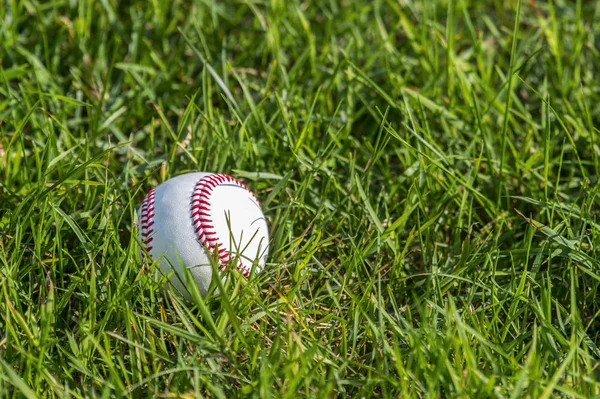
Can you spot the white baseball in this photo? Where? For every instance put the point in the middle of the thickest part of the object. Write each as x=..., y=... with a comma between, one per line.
x=193, y=218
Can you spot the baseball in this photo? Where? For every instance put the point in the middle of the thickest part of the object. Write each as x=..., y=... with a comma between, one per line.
x=197, y=218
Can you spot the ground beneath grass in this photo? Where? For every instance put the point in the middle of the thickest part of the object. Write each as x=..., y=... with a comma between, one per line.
x=429, y=171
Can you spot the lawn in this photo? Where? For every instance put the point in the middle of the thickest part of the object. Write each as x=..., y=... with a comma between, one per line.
x=429, y=171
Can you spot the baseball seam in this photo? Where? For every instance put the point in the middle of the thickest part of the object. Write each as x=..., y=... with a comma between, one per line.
x=202, y=221
x=147, y=220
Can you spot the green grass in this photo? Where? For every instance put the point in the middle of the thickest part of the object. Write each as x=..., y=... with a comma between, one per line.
x=429, y=169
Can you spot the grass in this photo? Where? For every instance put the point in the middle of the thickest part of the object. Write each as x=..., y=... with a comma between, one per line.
x=429, y=170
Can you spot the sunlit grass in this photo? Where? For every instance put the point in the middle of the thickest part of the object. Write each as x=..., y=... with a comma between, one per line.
x=429, y=171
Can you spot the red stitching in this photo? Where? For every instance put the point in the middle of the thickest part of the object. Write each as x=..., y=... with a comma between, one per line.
x=244, y=269
x=197, y=214
x=211, y=180
x=202, y=222
x=146, y=219
x=145, y=226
